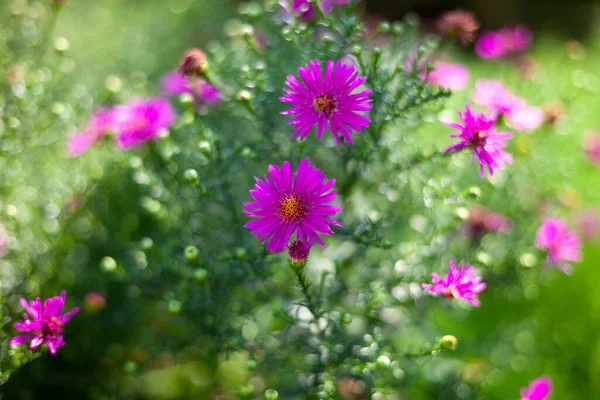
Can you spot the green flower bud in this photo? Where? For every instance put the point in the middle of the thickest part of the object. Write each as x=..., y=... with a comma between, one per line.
x=246, y=391
x=383, y=362
x=174, y=307
x=474, y=192
x=191, y=253
x=108, y=264
x=201, y=274
x=271, y=394
x=384, y=27
x=191, y=176
x=448, y=342
x=347, y=318
x=251, y=364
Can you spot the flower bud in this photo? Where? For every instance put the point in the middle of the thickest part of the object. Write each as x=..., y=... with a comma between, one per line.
x=193, y=63
x=347, y=318
x=191, y=176
x=383, y=362
x=299, y=252
x=448, y=343
x=201, y=274
x=384, y=27
x=271, y=394
x=191, y=253
x=243, y=96
x=95, y=301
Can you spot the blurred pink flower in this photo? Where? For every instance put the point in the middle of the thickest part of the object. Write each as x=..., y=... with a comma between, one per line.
x=96, y=128
x=175, y=83
x=328, y=5
x=458, y=23
x=495, y=96
x=539, y=389
x=560, y=242
x=504, y=42
x=95, y=301
x=482, y=220
x=450, y=76
x=459, y=283
x=592, y=147
x=142, y=120
x=46, y=323
x=589, y=224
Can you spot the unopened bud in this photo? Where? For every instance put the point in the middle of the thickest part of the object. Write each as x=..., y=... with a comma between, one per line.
x=448, y=342
x=299, y=252
x=95, y=302
x=384, y=27
x=383, y=362
x=191, y=176
x=193, y=63
x=474, y=192
x=243, y=96
x=191, y=253
x=201, y=274
x=271, y=394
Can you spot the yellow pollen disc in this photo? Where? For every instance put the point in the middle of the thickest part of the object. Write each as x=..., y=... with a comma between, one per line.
x=451, y=292
x=325, y=103
x=292, y=209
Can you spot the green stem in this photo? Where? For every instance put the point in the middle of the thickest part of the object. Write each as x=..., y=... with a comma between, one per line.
x=305, y=288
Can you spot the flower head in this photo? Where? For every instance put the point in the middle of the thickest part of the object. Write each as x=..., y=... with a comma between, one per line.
x=96, y=128
x=592, y=147
x=481, y=220
x=327, y=100
x=477, y=131
x=175, y=83
x=95, y=301
x=458, y=23
x=561, y=243
x=539, y=389
x=286, y=203
x=495, y=96
x=459, y=283
x=142, y=120
x=507, y=41
x=44, y=323
x=450, y=76
x=193, y=63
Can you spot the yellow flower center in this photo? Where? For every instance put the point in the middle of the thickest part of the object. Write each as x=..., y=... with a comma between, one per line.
x=325, y=103
x=292, y=208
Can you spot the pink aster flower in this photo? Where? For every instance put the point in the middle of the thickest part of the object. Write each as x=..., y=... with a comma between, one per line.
x=298, y=252
x=477, y=131
x=592, y=147
x=459, y=283
x=288, y=203
x=481, y=221
x=539, y=389
x=96, y=128
x=561, y=243
x=174, y=83
x=507, y=41
x=44, y=323
x=524, y=117
x=450, y=76
x=142, y=120
x=328, y=100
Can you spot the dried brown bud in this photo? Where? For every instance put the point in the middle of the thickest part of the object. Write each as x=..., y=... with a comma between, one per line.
x=193, y=63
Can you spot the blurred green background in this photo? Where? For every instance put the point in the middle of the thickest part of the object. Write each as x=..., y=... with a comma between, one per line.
x=552, y=328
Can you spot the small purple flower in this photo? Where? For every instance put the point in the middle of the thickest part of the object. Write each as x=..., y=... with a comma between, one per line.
x=459, y=283
x=286, y=203
x=507, y=41
x=477, y=132
x=44, y=323
x=450, y=76
x=96, y=128
x=539, y=389
x=175, y=83
x=481, y=220
x=524, y=117
x=592, y=147
x=142, y=120
x=561, y=243
x=328, y=100
x=298, y=252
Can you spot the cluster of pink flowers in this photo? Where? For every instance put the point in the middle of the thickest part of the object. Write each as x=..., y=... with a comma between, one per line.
x=132, y=124
x=175, y=83
x=501, y=102
x=507, y=41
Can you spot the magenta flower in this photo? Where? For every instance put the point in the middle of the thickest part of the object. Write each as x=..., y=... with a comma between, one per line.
x=329, y=100
x=175, y=83
x=142, y=120
x=459, y=283
x=96, y=128
x=495, y=96
x=481, y=220
x=286, y=203
x=298, y=252
x=450, y=76
x=328, y=5
x=561, y=243
x=539, y=389
x=592, y=147
x=477, y=132
x=44, y=323
x=503, y=42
